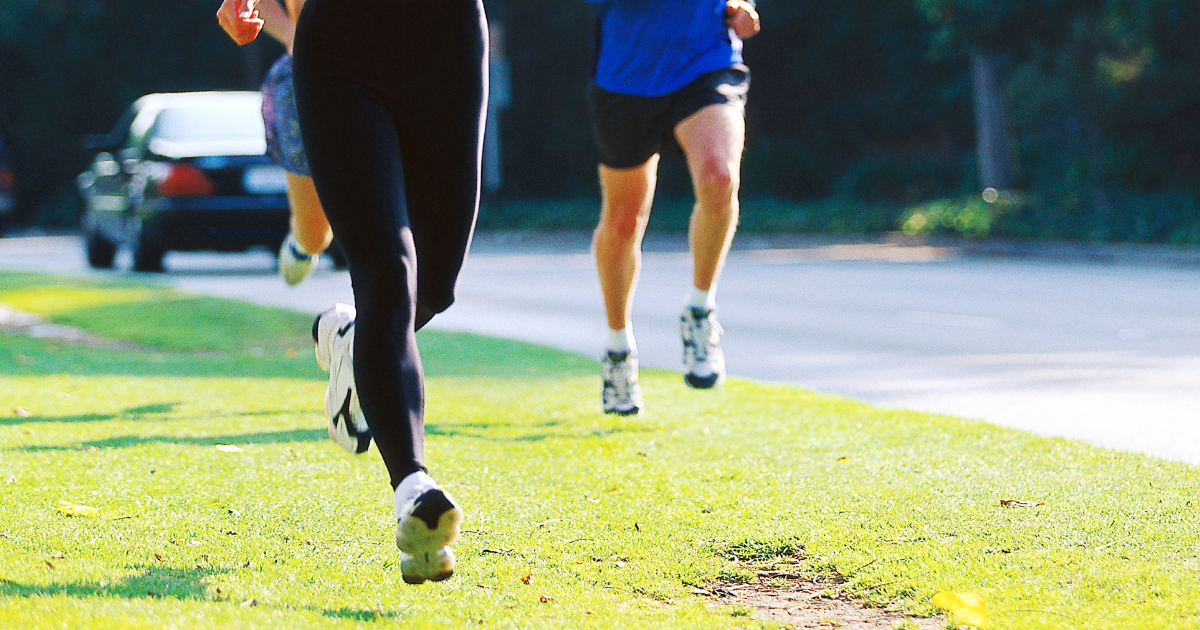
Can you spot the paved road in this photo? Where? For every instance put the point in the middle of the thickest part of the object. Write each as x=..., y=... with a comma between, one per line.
x=1096, y=343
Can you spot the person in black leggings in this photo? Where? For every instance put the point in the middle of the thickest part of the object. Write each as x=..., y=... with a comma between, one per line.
x=391, y=95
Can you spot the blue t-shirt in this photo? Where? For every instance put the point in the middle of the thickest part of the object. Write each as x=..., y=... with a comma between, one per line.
x=655, y=47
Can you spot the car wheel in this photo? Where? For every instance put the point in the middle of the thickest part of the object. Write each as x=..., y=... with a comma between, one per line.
x=147, y=257
x=100, y=253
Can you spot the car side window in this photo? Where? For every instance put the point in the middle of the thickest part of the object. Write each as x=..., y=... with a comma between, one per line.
x=140, y=129
x=116, y=137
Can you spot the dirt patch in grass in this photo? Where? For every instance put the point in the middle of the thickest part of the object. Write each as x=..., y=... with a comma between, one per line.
x=781, y=591
x=808, y=605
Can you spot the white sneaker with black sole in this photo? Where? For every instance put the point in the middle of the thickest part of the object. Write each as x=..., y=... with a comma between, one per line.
x=294, y=264
x=621, y=393
x=427, y=522
x=703, y=360
x=333, y=332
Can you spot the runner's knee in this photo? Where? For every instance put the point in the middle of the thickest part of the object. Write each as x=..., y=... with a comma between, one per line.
x=716, y=179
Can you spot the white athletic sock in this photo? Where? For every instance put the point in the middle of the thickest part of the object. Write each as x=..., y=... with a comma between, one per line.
x=703, y=299
x=621, y=340
x=412, y=487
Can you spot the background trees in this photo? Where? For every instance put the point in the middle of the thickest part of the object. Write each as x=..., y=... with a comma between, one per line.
x=1092, y=105
x=1105, y=108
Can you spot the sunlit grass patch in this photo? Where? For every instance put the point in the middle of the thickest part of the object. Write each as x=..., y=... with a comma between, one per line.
x=221, y=502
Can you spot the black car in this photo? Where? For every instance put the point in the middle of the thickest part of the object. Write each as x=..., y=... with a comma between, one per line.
x=184, y=172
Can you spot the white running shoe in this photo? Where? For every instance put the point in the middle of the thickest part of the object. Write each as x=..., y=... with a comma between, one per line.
x=333, y=331
x=427, y=520
x=294, y=264
x=621, y=394
x=703, y=360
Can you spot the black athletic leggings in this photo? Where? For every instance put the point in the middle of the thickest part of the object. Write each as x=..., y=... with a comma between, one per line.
x=391, y=97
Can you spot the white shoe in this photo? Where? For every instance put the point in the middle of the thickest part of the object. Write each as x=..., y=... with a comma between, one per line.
x=294, y=264
x=333, y=331
x=427, y=520
x=621, y=393
x=703, y=360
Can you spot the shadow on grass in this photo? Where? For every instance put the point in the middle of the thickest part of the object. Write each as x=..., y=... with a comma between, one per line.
x=159, y=583
x=478, y=431
x=132, y=413
x=359, y=615
x=152, y=581
x=155, y=408
x=531, y=432
x=128, y=441
x=8, y=421
x=147, y=413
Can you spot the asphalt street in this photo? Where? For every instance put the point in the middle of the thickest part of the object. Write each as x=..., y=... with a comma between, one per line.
x=1088, y=342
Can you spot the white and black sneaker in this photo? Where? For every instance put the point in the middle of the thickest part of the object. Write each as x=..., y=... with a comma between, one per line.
x=621, y=394
x=703, y=361
x=294, y=264
x=333, y=331
x=427, y=521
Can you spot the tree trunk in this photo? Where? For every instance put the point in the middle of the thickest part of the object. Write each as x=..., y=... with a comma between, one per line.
x=991, y=121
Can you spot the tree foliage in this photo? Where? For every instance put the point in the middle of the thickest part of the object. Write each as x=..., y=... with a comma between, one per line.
x=856, y=98
x=1105, y=96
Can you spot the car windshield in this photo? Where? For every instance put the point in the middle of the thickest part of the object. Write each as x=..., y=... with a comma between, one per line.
x=232, y=122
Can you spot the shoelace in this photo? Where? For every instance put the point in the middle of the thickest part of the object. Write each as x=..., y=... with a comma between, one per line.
x=700, y=335
x=620, y=386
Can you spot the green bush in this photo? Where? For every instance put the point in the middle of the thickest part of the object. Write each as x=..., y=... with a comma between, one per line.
x=963, y=216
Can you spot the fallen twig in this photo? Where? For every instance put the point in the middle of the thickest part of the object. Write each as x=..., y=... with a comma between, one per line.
x=1101, y=547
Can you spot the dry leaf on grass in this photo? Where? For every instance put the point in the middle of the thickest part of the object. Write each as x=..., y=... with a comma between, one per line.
x=73, y=509
x=21, y=411
x=968, y=607
x=228, y=448
x=1013, y=503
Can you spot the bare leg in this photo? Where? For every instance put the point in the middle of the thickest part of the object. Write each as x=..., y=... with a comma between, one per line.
x=309, y=226
x=626, y=196
x=712, y=140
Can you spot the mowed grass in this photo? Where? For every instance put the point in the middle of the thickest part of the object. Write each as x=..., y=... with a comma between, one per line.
x=574, y=518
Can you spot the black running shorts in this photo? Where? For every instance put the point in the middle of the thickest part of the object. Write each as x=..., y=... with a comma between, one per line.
x=630, y=129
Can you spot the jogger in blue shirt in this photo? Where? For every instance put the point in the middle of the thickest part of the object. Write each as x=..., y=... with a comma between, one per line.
x=655, y=47
x=669, y=77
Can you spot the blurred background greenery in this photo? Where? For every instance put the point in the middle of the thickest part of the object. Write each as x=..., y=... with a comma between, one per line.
x=864, y=115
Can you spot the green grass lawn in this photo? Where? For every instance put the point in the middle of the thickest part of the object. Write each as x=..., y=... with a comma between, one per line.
x=574, y=518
